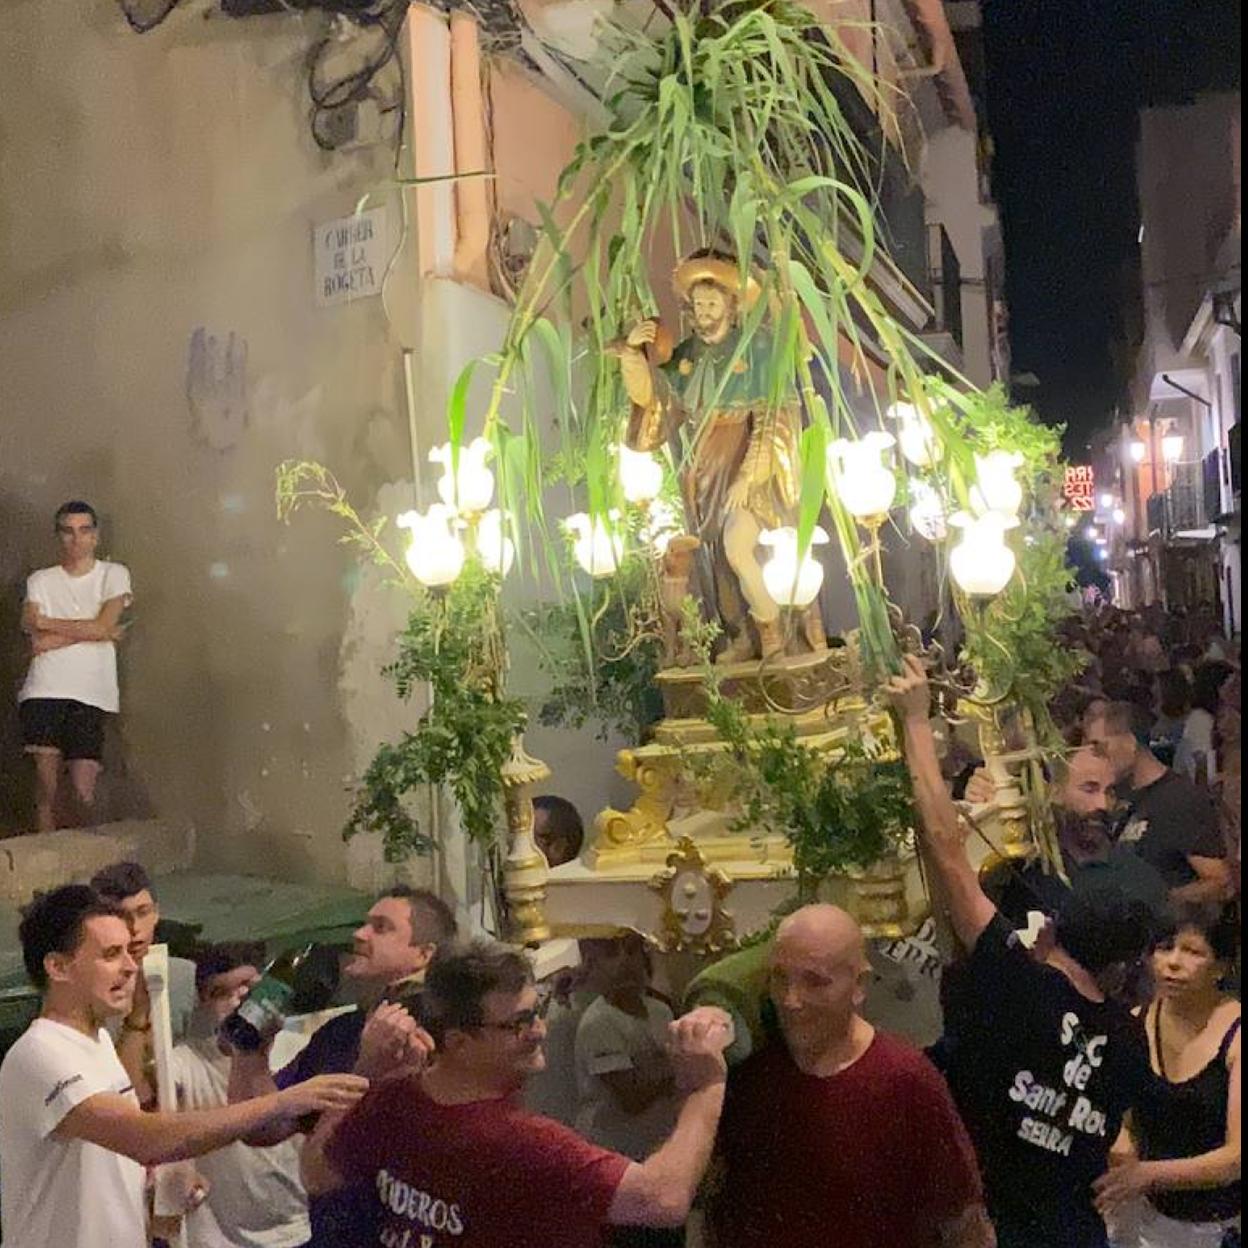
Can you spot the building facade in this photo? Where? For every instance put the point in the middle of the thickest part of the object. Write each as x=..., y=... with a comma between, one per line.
x=1175, y=456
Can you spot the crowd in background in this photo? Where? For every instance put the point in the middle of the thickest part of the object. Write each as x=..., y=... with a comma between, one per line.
x=1084, y=1090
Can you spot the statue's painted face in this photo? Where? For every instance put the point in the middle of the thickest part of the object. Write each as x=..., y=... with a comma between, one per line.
x=712, y=309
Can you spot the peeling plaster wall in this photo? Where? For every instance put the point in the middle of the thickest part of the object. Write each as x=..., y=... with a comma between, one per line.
x=162, y=351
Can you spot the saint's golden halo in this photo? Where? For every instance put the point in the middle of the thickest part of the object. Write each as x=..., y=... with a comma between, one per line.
x=720, y=270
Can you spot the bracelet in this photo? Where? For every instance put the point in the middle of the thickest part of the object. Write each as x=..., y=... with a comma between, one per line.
x=127, y=1025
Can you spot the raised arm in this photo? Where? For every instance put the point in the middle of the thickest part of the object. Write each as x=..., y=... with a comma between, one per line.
x=660, y=1190
x=942, y=834
x=151, y=1139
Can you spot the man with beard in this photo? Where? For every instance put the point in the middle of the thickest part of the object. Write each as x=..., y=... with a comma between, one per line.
x=74, y=1141
x=1170, y=822
x=1082, y=804
x=1047, y=1062
x=392, y=950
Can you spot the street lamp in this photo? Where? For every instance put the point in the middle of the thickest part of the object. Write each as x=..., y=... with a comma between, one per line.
x=1107, y=500
x=1120, y=516
x=1138, y=450
x=1172, y=447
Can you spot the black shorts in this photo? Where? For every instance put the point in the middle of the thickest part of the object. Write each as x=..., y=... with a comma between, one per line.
x=73, y=728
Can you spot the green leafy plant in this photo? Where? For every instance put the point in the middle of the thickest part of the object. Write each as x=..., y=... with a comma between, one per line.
x=618, y=693
x=453, y=648
x=839, y=810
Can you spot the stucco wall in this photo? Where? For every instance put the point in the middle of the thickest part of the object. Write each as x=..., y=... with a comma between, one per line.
x=151, y=187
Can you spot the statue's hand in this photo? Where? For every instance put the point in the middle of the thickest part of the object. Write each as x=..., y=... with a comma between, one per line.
x=643, y=335
x=738, y=496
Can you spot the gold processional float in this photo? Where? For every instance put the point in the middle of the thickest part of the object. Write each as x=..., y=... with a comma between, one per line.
x=677, y=866
x=708, y=464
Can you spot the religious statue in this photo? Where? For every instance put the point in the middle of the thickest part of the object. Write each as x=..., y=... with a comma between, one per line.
x=741, y=472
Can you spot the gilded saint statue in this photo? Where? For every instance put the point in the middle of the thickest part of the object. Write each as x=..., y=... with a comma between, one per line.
x=741, y=473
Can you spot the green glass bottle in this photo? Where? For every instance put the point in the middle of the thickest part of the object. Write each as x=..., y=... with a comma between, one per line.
x=262, y=1012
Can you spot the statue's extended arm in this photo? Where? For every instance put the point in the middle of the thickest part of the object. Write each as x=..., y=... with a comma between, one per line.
x=647, y=428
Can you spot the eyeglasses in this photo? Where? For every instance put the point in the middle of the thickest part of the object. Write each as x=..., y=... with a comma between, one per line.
x=524, y=1022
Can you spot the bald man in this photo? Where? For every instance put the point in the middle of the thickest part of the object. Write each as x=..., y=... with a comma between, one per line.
x=836, y=1132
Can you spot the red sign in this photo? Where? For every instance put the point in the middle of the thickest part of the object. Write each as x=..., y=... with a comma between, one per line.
x=1079, y=487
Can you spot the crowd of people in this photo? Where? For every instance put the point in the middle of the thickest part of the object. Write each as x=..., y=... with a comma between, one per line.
x=1084, y=1090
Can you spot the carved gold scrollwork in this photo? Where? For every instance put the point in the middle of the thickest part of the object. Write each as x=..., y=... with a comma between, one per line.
x=694, y=918
x=622, y=833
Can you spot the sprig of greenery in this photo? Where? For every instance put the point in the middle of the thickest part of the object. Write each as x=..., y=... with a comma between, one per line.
x=838, y=810
x=452, y=646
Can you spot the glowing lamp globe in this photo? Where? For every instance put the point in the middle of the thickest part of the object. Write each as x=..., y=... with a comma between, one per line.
x=595, y=548
x=1120, y=516
x=996, y=487
x=916, y=437
x=860, y=477
x=641, y=476
x=1172, y=447
x=497, y=550
x=927, y=512
x=1107, y=500
x=661, y=525
x=470, y=489
x=436, y=553
x=792, y=582
x=982, y=563
x=1138, y=451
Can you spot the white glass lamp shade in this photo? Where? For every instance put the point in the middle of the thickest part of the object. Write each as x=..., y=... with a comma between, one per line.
x=861, y=477
x=927, y=512
x=436, y=553
x=641, y=476
x=497, y=550
x=661, y=525
x=982, y=563
x=1107, y=501
x=790, y=582
x=471, y=488
x=1172, y=447
x=996, y=487
x=595, y=548
x=1120, y=516
x=1138, y=451
x=916, y=437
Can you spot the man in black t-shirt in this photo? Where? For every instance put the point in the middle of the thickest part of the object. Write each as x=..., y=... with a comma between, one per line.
x=1045, y=1063
x=1169, y=822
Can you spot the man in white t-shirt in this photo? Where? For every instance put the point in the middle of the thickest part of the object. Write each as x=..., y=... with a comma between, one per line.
x=255, y=1197
x=74, y=1143
x=72, y=616
x=626, y=1087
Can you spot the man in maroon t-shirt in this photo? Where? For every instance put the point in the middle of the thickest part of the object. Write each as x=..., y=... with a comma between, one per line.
x=456, y=1162
x=841, y=1134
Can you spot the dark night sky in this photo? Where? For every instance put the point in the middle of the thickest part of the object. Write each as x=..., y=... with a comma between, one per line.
x=1065, y=81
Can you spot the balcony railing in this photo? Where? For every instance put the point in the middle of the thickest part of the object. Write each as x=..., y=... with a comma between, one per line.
x=1182, y=508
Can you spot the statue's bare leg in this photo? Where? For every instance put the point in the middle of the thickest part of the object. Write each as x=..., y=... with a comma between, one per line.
x=741, y=533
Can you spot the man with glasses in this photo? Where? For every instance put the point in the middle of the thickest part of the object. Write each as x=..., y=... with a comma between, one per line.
x=72, y=617
x=451, y=1156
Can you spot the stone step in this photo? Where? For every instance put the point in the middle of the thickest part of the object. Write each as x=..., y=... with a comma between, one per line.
x=45, y=860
